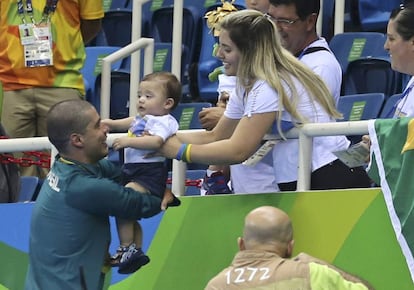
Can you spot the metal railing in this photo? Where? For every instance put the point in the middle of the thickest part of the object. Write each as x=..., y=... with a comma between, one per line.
x=305, y=135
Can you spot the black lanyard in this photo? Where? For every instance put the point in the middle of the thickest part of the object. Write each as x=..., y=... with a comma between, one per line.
x=22, y=9
x=391, y=113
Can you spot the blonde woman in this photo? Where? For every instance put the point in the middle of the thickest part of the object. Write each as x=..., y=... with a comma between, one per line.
x=272, y=86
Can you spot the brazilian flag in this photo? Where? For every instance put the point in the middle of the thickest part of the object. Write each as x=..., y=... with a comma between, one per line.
x=392, y=167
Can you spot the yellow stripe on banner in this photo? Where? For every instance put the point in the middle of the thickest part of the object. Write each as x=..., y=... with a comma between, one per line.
x=333, y=218
x=409, y=144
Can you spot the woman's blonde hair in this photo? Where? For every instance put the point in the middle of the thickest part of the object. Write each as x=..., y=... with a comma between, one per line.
x=262, y=57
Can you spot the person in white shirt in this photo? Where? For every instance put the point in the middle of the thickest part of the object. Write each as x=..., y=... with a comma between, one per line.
x=272, y=86
x=296, y=23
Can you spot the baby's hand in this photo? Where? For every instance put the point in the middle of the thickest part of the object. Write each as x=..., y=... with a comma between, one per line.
x=120, y=143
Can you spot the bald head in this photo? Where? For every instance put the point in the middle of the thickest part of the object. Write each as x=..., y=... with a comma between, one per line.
x=267, y=227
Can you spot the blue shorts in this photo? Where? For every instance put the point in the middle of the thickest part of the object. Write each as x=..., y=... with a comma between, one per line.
x=152, y=176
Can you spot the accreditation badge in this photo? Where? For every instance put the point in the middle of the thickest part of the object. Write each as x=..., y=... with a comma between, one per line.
x=39, y=52
x=26, y=33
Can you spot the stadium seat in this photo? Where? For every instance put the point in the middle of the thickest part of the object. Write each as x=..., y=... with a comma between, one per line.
x=389, y=106
x=93, y=66
x=117, y=26
x=349, y=46
x=187, y=114
x=371, y=75
x=114, y=4
x=360, y=106
x=161, y=31
x=119, y=102
x=29, y=186
x=374, y=14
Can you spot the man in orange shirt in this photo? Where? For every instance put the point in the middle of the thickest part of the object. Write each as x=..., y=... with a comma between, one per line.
x=41, y=54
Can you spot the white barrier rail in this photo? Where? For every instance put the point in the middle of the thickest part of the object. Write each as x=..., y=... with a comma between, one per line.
x=305, y=135
x=148, y=45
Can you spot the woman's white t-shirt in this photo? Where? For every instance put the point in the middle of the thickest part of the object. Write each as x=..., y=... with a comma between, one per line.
x=263, y=99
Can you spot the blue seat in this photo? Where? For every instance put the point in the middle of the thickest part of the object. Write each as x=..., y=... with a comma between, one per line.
x=119, y=95
x=155, y=5
x=93, y=66
x=117, y=27
x=29, y=187
x=349, y=46
x=161, y=31
x=360, y=106
x=114, y=4
x=371, y=75
x=187, y=114
x=374, y=14
x=388, y=109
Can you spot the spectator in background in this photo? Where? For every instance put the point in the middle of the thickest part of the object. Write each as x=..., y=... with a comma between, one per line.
x=400, y=44
x=43, y=67
x=70, y=230
x=264, y=260
x=272, y=87
x=296, y=23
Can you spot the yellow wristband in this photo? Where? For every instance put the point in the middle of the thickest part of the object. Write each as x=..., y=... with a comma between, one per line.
x=188, y=153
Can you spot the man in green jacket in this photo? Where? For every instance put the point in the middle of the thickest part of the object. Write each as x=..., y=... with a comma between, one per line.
x=70, y=230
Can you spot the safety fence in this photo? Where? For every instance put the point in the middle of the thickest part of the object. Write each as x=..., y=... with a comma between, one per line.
x=305, y=135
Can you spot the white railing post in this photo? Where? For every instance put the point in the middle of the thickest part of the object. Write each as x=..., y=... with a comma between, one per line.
x=118, y=55
x=177, y=38
x=305, y=162
x=179, y=169
x=136, y=56
x=339, y=16
x=319, y=22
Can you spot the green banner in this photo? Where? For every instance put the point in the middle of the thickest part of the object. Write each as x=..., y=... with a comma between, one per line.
x=193, y=242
